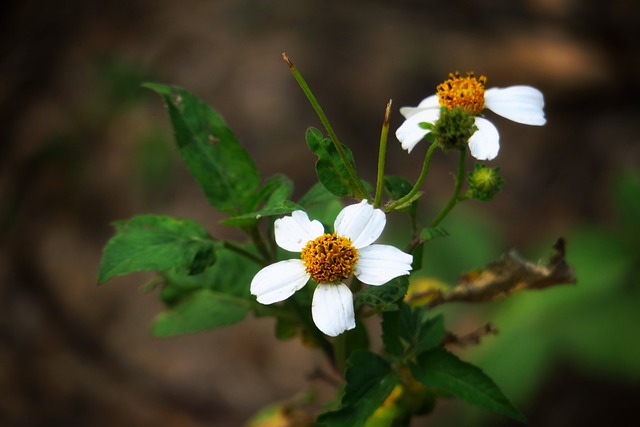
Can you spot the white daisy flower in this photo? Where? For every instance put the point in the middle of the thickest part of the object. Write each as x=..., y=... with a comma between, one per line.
x=329, y=259
x=521, y=104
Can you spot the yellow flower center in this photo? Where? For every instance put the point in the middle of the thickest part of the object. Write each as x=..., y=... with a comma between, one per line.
x=465, y=92
x=329, y=258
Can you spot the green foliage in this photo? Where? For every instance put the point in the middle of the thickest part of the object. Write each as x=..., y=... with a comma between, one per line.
x=410, y=331
x=210, y=150
x=201, y=310
x=155, y=242
x=398, y=187
x=386, y=297
x=442, y=370
x=330, y=167
x=369, y=381
x=217, y=297
x=321, y=204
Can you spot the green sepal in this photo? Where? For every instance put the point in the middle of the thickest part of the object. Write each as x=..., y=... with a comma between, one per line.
x=440, y=369
x=210, y=150
x=156, y=243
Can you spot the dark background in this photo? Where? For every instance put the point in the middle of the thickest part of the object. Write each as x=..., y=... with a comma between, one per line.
x=82, y=145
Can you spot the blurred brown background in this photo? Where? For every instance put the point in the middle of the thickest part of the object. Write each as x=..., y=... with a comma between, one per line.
x=81, y=145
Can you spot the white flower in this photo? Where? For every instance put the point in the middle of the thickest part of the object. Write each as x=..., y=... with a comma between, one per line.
x=329, y=259
x=521, y=104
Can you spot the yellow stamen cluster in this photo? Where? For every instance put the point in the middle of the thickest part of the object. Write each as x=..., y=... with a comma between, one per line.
x=329, y=258
x=465, y=92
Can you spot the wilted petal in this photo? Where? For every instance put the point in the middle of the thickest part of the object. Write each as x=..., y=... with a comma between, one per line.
x=485, y=142
x=277, y=282
x=332, y=308
x=377, y=264
x=361, y=223
x=429, y=102
x=293, y=232
x=410, y=132
x=522, y=104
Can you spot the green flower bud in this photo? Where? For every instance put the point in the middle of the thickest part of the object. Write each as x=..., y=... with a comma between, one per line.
x=454, y=128
x=484, y=183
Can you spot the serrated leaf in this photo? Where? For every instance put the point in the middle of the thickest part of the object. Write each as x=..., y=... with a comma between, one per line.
x=370, y=380
x=202, y=310
x=330, y=167
x=156, y=243
x=385, y=297
x=443, y=370
x=210, y=150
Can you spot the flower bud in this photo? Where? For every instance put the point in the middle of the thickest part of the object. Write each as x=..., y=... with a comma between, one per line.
x=484, y=183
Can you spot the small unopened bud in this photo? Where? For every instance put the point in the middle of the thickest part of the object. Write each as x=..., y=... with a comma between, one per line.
x=484, y=183
x=454, y=128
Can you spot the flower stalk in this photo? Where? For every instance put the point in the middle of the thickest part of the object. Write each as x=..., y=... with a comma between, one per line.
x=359, y=192
x=382, y=153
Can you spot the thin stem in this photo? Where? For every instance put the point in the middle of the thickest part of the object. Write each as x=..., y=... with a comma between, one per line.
x=456, y=192
x=240, y=250
x=257, y=240
x=419, y=182
x=358, y=188
x=381, y=156
x=340, y=352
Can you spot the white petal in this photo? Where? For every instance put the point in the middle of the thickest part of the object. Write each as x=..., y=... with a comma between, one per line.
x=429, y=102
x=277, y=282
x=293, y=232
x=522, y=104
x=361, y=223
x=485, y=142
x=377, y=264
x=332, y=308
x=410, y=133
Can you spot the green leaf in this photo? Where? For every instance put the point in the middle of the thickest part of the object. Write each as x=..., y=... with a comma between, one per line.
x=321, y=204
x=202, y=310
x=441, y=369
x=156, y=242
x=210, y=150
x=370, y=380
x=385, y=297
x=217, y=297
x=433, y=232
x=330, y=168
x=409, y=331
x=398, y=187
x=247, y=219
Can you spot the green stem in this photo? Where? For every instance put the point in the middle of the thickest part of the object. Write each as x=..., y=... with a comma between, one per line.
x=358, y=188
x=456, y=192
x=238, y=249
x=419, y=182
x=381, y=156
x=257, y=240
x=340, y=352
